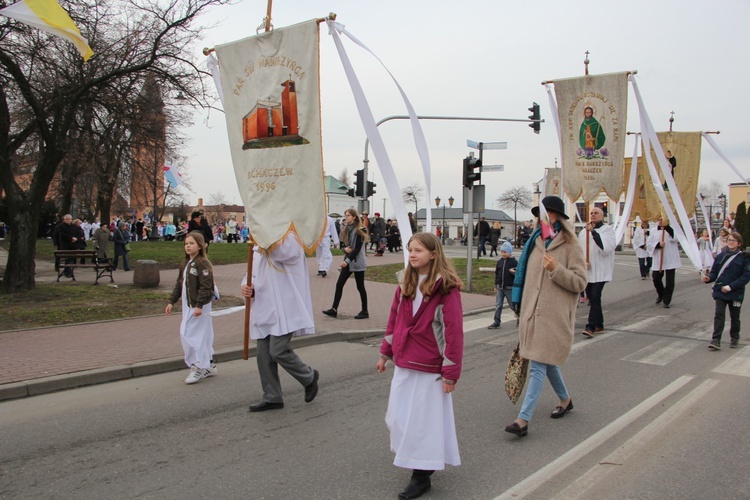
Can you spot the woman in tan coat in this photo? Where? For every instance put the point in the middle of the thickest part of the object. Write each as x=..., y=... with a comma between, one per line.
x=550, y=275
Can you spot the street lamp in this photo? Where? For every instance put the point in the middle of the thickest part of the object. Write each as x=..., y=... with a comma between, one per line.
x=723, y=199
x=437, y=204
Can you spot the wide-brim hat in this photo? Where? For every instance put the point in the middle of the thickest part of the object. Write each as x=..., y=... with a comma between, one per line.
x=551, y=203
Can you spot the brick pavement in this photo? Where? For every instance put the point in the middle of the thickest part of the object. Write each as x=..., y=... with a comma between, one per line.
x=44, y=359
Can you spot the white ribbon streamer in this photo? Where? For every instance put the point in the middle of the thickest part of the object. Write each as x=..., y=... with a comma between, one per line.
x=706, y=219
x=376, y=141
x=713, y=144
x=556, y=121
x=622, y=223
x=689, y=245
x=213, y=67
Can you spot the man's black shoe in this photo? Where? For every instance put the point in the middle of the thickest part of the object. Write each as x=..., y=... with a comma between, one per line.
x=312, y=388
x=265, y=406
x=330, y=312
x=418, y=486
x=323, y=273
x=659, y=299
x=362, y=315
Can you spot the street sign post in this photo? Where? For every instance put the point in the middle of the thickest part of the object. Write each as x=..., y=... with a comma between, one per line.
x=486, y=145
x=493, y=168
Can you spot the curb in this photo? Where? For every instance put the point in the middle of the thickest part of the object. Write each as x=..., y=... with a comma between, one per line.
x=46, y=385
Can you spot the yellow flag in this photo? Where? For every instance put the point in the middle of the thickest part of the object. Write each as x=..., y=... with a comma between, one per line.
x=49, y=16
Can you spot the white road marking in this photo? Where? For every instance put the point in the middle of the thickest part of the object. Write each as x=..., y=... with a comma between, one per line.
x=738, y=364
x=632, y=327
x=537, y=479
x=581, y=486
x=662, y=352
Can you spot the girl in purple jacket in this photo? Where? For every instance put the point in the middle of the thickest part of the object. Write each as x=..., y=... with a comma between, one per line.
x=424, y=339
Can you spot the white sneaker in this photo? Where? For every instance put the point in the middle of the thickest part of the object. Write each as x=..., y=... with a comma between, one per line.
x=212, y=371
x=196, y=374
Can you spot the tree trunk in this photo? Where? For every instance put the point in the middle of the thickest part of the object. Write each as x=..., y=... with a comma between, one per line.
x=19, y=272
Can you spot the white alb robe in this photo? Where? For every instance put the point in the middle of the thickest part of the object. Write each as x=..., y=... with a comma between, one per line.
x=671, y=251
x=601, y=260
x=196, y=334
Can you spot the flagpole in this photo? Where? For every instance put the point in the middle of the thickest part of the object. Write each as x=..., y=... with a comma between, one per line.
x=588, y=234
x=246, y=337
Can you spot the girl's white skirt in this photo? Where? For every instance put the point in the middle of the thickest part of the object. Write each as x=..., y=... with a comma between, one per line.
x=420, y=418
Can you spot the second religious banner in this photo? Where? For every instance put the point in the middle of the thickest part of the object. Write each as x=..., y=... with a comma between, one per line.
x=593, y=113
x=271, y=91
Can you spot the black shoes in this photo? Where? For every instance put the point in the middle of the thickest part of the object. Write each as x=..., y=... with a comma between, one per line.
x=362, y=315
x=734, y=343
x=265, y=406
x=312, y=388
x=419, y=485
x=715, y=345
x=331, y=312
x=559, y=411
x=516, y=429
x=322, y=273
x=666, y=306
x=658, y=299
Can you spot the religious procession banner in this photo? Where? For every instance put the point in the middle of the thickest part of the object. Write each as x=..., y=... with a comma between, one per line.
x=271, y=89
x=593, y=113
x=553, y=182
x=683, y=152
x=642, y=185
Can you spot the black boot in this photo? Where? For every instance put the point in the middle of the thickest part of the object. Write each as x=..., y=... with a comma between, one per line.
x=419, y=484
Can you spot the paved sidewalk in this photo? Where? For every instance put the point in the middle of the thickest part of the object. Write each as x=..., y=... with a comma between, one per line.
x=48, y=359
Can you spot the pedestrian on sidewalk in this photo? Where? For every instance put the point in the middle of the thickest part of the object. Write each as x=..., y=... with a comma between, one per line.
x=195, y=284
x=550, y=274
x=505, y=271
x=731, y=272
x=282, y=309
x=355, y=262
x=424, y=337
x=121, y=237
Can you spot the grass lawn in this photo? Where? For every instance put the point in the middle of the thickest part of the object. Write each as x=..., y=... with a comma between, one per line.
x=482, y=282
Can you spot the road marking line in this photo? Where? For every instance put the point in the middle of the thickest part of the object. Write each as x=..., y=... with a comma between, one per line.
x=632, y=327
x=739, y=364
x=580, y=488
x=662, y=352
x=541, y=476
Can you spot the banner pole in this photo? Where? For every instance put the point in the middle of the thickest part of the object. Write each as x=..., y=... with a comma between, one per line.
x=246, y=336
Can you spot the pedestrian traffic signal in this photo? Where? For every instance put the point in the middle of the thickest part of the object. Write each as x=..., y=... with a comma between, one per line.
x=472, y=171
x=536, y=116
x=370, y=188
x=360, y=183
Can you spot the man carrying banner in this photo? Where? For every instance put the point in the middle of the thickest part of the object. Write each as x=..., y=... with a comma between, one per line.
x=666, y=258
x=600, y=264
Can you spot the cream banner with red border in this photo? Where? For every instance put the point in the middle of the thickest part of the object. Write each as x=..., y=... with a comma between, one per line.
x=271, y=89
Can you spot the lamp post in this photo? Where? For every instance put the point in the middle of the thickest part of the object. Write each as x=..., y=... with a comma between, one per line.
x=723, y=199
x=437, y=205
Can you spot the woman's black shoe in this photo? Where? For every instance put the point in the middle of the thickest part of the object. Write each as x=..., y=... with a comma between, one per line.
x=362, y=315
x=330, y=312
x=559, y=411
x=516, y=429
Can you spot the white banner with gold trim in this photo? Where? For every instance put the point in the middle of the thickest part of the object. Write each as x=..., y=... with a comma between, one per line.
x=592, y=111
x=271, y=89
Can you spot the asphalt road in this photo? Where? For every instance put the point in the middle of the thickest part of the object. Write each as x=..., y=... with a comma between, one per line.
x=657, y=415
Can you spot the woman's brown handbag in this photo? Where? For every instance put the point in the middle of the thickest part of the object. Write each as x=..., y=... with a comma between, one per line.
x=515, y=375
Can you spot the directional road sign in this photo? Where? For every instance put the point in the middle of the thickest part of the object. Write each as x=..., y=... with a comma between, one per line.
x=493, y=168
x=487, y=145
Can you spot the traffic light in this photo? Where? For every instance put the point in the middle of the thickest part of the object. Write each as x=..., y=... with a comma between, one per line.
x=360, y=183
x=351, y=193
x=472, y=171
x=535, y=115
x=370, y=188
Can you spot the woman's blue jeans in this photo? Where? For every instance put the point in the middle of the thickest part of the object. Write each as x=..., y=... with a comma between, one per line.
x=537, y=373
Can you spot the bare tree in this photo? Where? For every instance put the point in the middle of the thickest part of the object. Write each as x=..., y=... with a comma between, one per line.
x=412, y=193
x=517, y=196
x=344, y=178
x=45, y=87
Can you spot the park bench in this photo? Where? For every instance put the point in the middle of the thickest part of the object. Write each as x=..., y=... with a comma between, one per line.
x=83, y=258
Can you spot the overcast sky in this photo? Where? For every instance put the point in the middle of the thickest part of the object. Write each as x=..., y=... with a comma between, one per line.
x=487, y=58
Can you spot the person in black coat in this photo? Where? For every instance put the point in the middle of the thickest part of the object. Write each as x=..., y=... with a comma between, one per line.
x=729, y=273
x=199, y=223
x=505, y=273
